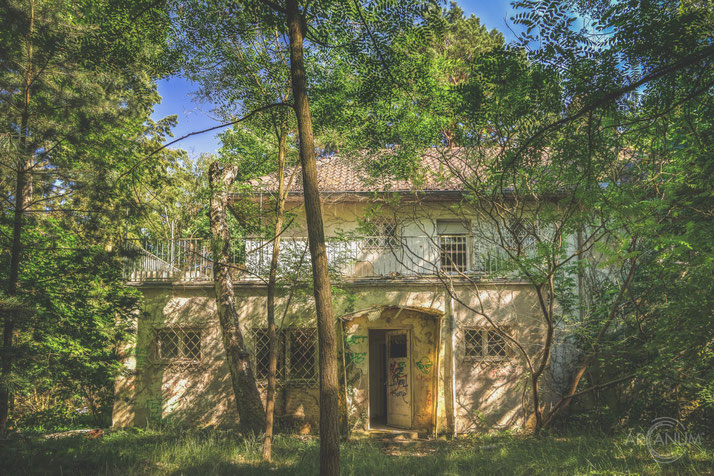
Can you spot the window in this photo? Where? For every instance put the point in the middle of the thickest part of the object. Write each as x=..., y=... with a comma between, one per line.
x=453, y=246
x=261, y=341
x=519, y=234
x=397, y=346
x=484, y=344
x=178, y=344
x=302, y=350
x=385, y=234
x=297, y=354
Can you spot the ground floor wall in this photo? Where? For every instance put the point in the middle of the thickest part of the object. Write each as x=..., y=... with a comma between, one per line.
x=176, y=369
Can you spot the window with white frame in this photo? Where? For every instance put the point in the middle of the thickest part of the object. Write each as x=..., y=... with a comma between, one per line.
x=297, y=354
x=178, y=344
x=453, y=246
x=483, y=343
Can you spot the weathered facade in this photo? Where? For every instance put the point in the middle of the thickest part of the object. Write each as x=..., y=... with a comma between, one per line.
x=414, y=354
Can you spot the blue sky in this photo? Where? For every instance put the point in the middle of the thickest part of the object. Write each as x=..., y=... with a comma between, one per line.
x=176, y=92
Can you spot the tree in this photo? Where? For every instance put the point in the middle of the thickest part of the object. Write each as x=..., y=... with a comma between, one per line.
x=645, y=70
x=256, y=146
x=323, y=23
x=74, y=86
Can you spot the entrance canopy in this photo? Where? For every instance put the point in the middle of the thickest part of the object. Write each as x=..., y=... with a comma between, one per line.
x=375, y=312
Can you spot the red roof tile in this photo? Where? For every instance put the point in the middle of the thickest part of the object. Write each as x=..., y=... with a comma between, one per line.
x=349, y=174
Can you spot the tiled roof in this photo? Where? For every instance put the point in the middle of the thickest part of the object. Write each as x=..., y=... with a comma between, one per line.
x=349, y=174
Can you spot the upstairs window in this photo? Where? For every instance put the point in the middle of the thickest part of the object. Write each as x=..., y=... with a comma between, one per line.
x=484, y=344
x=384, y=234
x=178, y=344
x=453, y=246
x=297, y=354
x=519, y=234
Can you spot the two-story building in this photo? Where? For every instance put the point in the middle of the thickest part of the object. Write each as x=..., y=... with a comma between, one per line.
x=408, y=270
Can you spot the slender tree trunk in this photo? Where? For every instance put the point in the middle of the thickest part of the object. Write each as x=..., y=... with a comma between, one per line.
x=327, y=334
x=23, y=190
x=250, y=407
x=272, y=278
x=449, y=381
x=590, y=358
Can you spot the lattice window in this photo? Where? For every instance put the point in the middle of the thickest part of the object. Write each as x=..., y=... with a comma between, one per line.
x=302, y=350
x=474, y=343
x=178, y=344
x=519, y=234
x=297, y=354
x=454, y=253
x=386, y=235
x=495, y=344
x=261, y=343
x=484, y=344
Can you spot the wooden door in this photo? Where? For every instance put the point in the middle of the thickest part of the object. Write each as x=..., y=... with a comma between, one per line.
x=399, y=392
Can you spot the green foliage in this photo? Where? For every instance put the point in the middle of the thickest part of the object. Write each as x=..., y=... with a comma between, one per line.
x=637, y=78
x=77, y=82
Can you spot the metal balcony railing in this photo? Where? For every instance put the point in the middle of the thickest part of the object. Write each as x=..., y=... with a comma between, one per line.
x=186, y=260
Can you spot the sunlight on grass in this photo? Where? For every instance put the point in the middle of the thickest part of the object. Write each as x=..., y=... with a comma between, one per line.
x=205, y=452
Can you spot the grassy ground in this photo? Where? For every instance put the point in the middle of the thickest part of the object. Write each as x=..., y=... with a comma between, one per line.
x=219, y=452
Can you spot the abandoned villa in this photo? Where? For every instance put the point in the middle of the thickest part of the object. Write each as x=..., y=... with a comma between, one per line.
x=409, y=265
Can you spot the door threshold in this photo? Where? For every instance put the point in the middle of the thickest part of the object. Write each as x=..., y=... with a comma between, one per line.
x=384, y=431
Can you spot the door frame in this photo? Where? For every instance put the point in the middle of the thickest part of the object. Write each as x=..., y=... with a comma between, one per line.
x=410, y=337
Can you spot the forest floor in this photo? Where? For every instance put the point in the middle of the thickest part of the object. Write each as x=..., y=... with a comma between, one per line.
x=206, y=452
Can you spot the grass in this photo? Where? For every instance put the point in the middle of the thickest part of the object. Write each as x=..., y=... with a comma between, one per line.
x=205, y=452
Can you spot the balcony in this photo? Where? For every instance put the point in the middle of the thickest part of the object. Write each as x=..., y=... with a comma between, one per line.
x=367, y=257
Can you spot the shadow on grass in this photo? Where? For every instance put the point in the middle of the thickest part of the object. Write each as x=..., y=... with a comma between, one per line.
x=224, y=452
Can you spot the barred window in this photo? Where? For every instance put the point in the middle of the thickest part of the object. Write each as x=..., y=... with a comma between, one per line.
x=484, y=344
x=454, y=253
x=297, y=354
x=453, y=245
x=178, y=344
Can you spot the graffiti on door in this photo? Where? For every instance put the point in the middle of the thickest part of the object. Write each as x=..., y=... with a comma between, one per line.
x=398, y=380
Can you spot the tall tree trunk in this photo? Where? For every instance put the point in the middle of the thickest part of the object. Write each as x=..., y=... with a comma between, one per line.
x=272, y=279
x=250, y=407
x=23, y=191
x=327, y=334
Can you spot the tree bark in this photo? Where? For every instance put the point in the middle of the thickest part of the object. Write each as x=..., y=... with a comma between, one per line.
x=23, y=190
x=327, y=335
x=272, y=279
x=250, y=407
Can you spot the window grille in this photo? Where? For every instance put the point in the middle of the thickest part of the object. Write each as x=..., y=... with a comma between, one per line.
x=297, y=354
x=519, y=234
x=261, y=342
x=484, y=344
x=178, y=344
x=386, y=235
x=302, y=350
x=454, y=253
x=473, y=342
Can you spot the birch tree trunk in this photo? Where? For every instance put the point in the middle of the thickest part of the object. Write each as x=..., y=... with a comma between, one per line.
x=245, y=390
